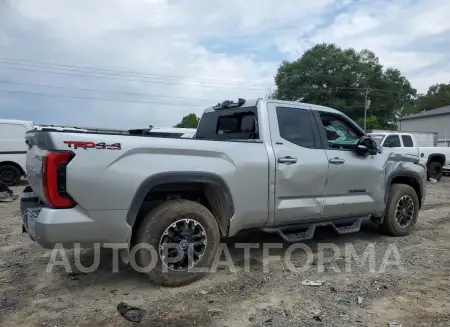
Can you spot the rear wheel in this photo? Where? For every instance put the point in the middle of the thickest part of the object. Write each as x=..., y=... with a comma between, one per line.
x=9, y=175
x=185, y=236
x=435, y=170
x=401, y=211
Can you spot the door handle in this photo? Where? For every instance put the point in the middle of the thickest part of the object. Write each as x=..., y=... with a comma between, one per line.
x=287, y=160
x=336, y=161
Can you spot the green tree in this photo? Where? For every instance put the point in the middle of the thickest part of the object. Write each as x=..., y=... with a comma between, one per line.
x=438, y=95
x=371, y=122
x=189, y=121
x=341, y=78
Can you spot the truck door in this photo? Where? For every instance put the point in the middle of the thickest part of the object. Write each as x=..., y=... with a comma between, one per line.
x=301, y=163
x=355, y=183
x=409, y=146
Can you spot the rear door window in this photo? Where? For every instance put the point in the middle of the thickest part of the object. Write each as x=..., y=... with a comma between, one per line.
x=295, y=126
x=407, y=141
x=392, y=141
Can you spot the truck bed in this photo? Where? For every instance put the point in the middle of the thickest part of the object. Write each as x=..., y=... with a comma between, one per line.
x=112, y=167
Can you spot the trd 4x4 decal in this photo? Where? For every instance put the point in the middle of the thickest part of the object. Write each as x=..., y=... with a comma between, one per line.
x=92, y=145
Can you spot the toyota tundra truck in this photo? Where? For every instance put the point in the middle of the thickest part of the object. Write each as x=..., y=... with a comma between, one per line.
x=282, y=167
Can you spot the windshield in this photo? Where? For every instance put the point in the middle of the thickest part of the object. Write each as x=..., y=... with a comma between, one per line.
x=377, y=138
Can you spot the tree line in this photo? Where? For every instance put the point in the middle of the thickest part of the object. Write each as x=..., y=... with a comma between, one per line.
x=348, y=80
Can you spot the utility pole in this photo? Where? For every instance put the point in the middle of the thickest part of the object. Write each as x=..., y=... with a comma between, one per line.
x=366, y=106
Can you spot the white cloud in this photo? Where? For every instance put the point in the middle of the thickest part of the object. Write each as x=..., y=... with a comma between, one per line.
x=173, y=37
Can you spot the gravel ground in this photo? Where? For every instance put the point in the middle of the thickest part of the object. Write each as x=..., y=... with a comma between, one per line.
x=413, y=294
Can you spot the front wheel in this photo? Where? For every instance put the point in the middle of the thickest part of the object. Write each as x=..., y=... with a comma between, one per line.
x=402, y=210
x=185, y=237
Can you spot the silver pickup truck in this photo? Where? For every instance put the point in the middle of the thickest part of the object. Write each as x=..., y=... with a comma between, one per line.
x=283, y=167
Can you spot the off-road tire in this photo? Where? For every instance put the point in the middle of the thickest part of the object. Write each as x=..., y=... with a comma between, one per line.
x=435, y=170
x=152, y=227
x=390, y=225
x=11, y=171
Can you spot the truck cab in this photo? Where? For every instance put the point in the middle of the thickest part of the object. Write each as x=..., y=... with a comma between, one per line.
x=396, y=142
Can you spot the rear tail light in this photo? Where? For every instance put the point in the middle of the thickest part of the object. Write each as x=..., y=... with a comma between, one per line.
x=54, y=178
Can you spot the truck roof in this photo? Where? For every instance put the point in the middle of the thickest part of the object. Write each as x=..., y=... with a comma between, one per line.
x=254, y=102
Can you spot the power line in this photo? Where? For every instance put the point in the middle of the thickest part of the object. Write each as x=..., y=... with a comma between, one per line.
x=214, y=82
x=113, y=100
x=126, y=93
x=127, y=79
x=295, y=88
x=101, y=99
x=54, y=70
x=105, y=99
x=102, y=91
x=74, y=68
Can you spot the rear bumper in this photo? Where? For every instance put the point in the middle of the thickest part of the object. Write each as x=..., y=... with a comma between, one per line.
x=67, y=227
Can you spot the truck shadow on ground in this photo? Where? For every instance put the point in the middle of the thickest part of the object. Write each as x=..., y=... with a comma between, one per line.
x=125, y=274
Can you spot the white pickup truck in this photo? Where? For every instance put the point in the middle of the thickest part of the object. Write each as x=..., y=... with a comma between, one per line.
x=437, y=159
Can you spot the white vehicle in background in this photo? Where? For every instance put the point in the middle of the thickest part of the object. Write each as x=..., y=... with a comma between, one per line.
x=423, y=139
x=13, y=148
x=435, y=158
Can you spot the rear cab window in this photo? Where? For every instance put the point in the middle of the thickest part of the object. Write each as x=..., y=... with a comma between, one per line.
x=407, y=141
x=229, y=124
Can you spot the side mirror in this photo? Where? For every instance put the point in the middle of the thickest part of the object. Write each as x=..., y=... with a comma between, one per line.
x=361, y=149
x=366, y=145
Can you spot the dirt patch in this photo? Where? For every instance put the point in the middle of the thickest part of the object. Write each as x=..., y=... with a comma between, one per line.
x=415, y=294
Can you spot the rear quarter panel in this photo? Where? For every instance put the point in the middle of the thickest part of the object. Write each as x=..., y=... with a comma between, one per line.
x=99, y=179
x=427, y=151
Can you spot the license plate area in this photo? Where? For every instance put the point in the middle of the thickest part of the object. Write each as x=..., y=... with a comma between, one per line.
x=30, y=207
x=31, y=216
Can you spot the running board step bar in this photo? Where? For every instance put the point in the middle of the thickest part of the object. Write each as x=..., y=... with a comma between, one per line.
x=299, y=233
x=348, y=227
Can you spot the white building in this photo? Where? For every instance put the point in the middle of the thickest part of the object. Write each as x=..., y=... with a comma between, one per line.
x=436, y=120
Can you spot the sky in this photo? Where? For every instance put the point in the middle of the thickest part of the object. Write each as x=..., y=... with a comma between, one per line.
x=134, y=63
